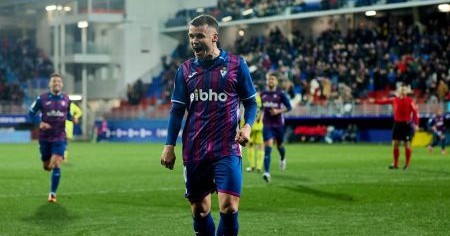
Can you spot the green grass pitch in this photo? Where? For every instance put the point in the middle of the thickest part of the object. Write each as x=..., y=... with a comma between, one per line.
x=121, y=189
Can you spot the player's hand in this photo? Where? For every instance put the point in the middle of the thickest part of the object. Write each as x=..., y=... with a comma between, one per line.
x=75, y=120
x=44, y=126
x=168, y=157
x=274, y=111
x=371, y=100
x=416, y=127
x=243, y=135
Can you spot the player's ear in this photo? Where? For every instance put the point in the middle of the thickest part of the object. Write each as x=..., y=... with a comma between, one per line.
x=215, y=38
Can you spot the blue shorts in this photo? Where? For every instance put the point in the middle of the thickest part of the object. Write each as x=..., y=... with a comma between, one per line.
x=223, y=175
x=276, y=133
x=49, y=148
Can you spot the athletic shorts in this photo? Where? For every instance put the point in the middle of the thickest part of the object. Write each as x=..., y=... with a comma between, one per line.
x=256, y=137
x=402, y=131
x=223, y=175
x=49, y=148
x=276, y=133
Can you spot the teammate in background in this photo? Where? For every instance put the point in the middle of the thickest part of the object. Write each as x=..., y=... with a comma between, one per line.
x=76, y=113
x=102, y=130
x=275, y=102
x=405, y=113
x=438, y=128
x=210, y=87
x=255, y=151
x=54, y=107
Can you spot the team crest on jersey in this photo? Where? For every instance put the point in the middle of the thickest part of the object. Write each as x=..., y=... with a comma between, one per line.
x=63, y=103
x=48, y=103
x=223, y=71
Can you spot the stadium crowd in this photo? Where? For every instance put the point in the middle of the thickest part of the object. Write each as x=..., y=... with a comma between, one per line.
x=367, y=61
x=20, y=61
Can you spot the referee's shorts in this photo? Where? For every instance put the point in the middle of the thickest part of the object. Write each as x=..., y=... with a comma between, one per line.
x=402, y=131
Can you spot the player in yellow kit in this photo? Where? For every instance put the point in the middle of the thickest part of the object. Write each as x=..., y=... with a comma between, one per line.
x=76, y=113
x=256, y=144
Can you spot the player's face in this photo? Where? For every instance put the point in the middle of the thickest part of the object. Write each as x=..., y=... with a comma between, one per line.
x=203, y=41
x=271, y=82
x=55, y=85
x=403, y=91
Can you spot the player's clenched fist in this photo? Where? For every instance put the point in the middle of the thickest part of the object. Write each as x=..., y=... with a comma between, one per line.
x=168, y=157
x=243, y=135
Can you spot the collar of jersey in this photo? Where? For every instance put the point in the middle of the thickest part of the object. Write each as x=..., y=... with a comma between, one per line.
x=50, y=95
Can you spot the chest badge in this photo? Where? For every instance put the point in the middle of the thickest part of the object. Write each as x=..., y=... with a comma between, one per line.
x=48, y=103
x=63, y=103
x=224, y=71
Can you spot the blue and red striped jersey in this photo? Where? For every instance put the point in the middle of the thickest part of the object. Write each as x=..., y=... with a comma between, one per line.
x=274, y=99
x=211, y=92
x=55, y=109
x=438, y=122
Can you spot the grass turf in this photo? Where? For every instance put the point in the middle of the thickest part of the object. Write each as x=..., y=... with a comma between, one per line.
x=121, y=189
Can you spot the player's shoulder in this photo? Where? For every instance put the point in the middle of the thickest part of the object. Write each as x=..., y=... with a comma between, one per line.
x=188, y=62
x=187, y=65
x=65, y=96
x=280, y=91
x=43, y=96
x=231, y=57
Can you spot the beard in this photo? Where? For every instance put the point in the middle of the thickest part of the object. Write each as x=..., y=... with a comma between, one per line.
x=202, y=51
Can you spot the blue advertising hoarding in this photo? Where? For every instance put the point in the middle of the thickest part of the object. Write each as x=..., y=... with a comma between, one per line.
x=12, y=120
x=136, y=130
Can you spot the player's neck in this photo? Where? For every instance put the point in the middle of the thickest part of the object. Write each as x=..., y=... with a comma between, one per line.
x=213, y=55
x=55, y=93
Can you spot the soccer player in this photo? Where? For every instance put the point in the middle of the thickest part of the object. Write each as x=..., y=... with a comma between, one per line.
x=275, y=102
x=54, y=107
x=76, y=113
x=102, y=130
x=255, y=151
x=210, y=87
x=405, y=115
x=438, y=127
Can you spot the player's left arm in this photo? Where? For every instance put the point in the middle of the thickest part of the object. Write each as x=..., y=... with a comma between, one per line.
x=69, y=113
x=246, y=92
x=415, y=115
x=287, y=106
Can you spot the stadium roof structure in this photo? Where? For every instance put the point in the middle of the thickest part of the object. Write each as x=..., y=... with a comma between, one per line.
x=26, y=7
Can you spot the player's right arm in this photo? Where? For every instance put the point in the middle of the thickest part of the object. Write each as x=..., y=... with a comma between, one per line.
x=179, y=103
x=384, y=101
x=35, y=107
